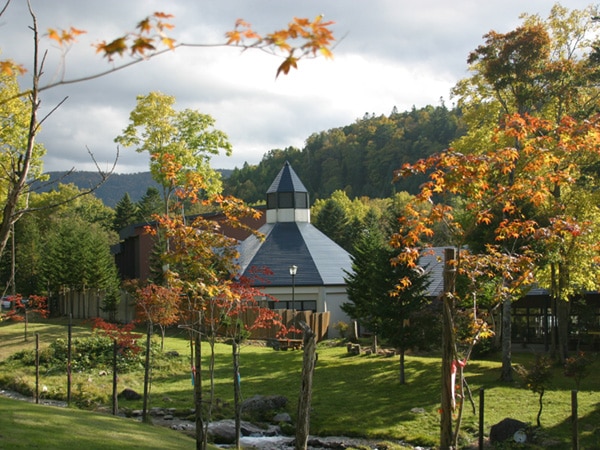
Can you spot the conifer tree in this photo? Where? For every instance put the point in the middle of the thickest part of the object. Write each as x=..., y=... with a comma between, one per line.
x=332, y=220
x=126, y=213
x=372, y=291
x=151, y=203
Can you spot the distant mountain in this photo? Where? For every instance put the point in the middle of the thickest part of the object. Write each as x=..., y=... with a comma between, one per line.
x=136, y=184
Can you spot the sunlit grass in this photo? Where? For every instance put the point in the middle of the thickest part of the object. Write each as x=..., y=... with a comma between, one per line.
x=25, y=425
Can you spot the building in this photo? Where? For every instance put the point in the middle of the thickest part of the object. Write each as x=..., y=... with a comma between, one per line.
x=533, y=319
x=134, y=250
x=307, y=269
x=318, y=284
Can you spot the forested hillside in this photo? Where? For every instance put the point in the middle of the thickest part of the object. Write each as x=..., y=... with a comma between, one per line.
x=359, y=158
x=135, y=184
x=110, y=192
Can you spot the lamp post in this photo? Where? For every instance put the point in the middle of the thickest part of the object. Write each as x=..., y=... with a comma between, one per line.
x=293, y=270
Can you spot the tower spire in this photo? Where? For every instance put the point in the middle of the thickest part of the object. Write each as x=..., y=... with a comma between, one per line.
x=287, y=198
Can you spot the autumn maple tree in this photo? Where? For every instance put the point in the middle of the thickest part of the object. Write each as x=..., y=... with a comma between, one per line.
x=125, y=343
x=546, y=69
x=200, y=264
x=22, y=308
x=155, y=305
x=516, y=195
x=512, y=194
x=183, y=139
x=239, y=316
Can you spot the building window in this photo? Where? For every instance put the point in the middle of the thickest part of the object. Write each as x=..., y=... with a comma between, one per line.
x=301, y=199
x=300, y=305
x=286, y=200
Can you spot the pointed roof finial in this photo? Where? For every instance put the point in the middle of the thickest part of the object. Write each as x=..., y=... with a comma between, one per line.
x=286, y=181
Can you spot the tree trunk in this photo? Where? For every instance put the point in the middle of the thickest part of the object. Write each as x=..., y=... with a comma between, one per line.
x=446, y=434
x=17, y=179
x=354, y=332
x=563, y=319
x=237, y=392
x=507, y=370
x=197, y=376
x=564, y=312
x=402, y=372
x=69, y=355
x=304, y=400
x=554, y=296
x=115, y=398
x=554, y=329
x=147, y=373
x=539, y=414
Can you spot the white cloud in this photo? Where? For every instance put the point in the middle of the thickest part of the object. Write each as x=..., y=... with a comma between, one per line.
x=390, y=53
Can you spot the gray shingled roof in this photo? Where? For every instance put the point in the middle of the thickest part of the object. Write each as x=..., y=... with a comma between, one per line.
x=320, y=261
x=432, y=261
x=286, y=181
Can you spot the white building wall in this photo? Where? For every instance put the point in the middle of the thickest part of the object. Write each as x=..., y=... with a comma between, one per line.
x=288, y=215
x=334, y=297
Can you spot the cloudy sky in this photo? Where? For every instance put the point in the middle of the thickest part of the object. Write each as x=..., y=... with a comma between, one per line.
x=389, y=53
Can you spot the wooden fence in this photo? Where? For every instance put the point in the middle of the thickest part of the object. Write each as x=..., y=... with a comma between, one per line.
x=88, y=305
x=318, y=322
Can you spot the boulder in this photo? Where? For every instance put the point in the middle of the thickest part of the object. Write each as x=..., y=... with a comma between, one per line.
x=353, y=349
x=282, y=417
x=223, y=431
x=264, y=403
x=505, y=430
x=129, y=394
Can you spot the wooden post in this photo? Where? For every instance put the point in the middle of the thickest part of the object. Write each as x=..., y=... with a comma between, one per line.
x=237, y=394
x=446, y=435
x=115, y=399
x=574, y=423
x=69, y=350
x=304, y=400
x=147, y=372
x=481, y=416
x=37, y=367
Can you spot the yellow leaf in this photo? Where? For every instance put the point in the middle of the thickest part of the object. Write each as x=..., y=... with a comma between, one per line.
x=326, y=52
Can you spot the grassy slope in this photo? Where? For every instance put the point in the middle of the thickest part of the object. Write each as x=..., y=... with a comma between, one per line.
x=26, y=425
x=353, y=395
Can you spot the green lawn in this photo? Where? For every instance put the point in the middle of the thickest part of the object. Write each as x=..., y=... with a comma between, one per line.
x=352, y=395
x=27, y=426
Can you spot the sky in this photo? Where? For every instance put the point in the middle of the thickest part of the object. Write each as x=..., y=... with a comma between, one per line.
x=388, y=53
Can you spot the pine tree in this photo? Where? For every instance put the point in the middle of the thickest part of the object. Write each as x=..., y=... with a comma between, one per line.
x=372, y=290
x=333, y=221
x=126, y=213
x=150, y=204
x=367, y=285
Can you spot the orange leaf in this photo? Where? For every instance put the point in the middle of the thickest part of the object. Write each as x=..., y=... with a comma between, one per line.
x=145, y=26
x=9, y=68
x=286, y=65
x=53, y=34
x=118, y=46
